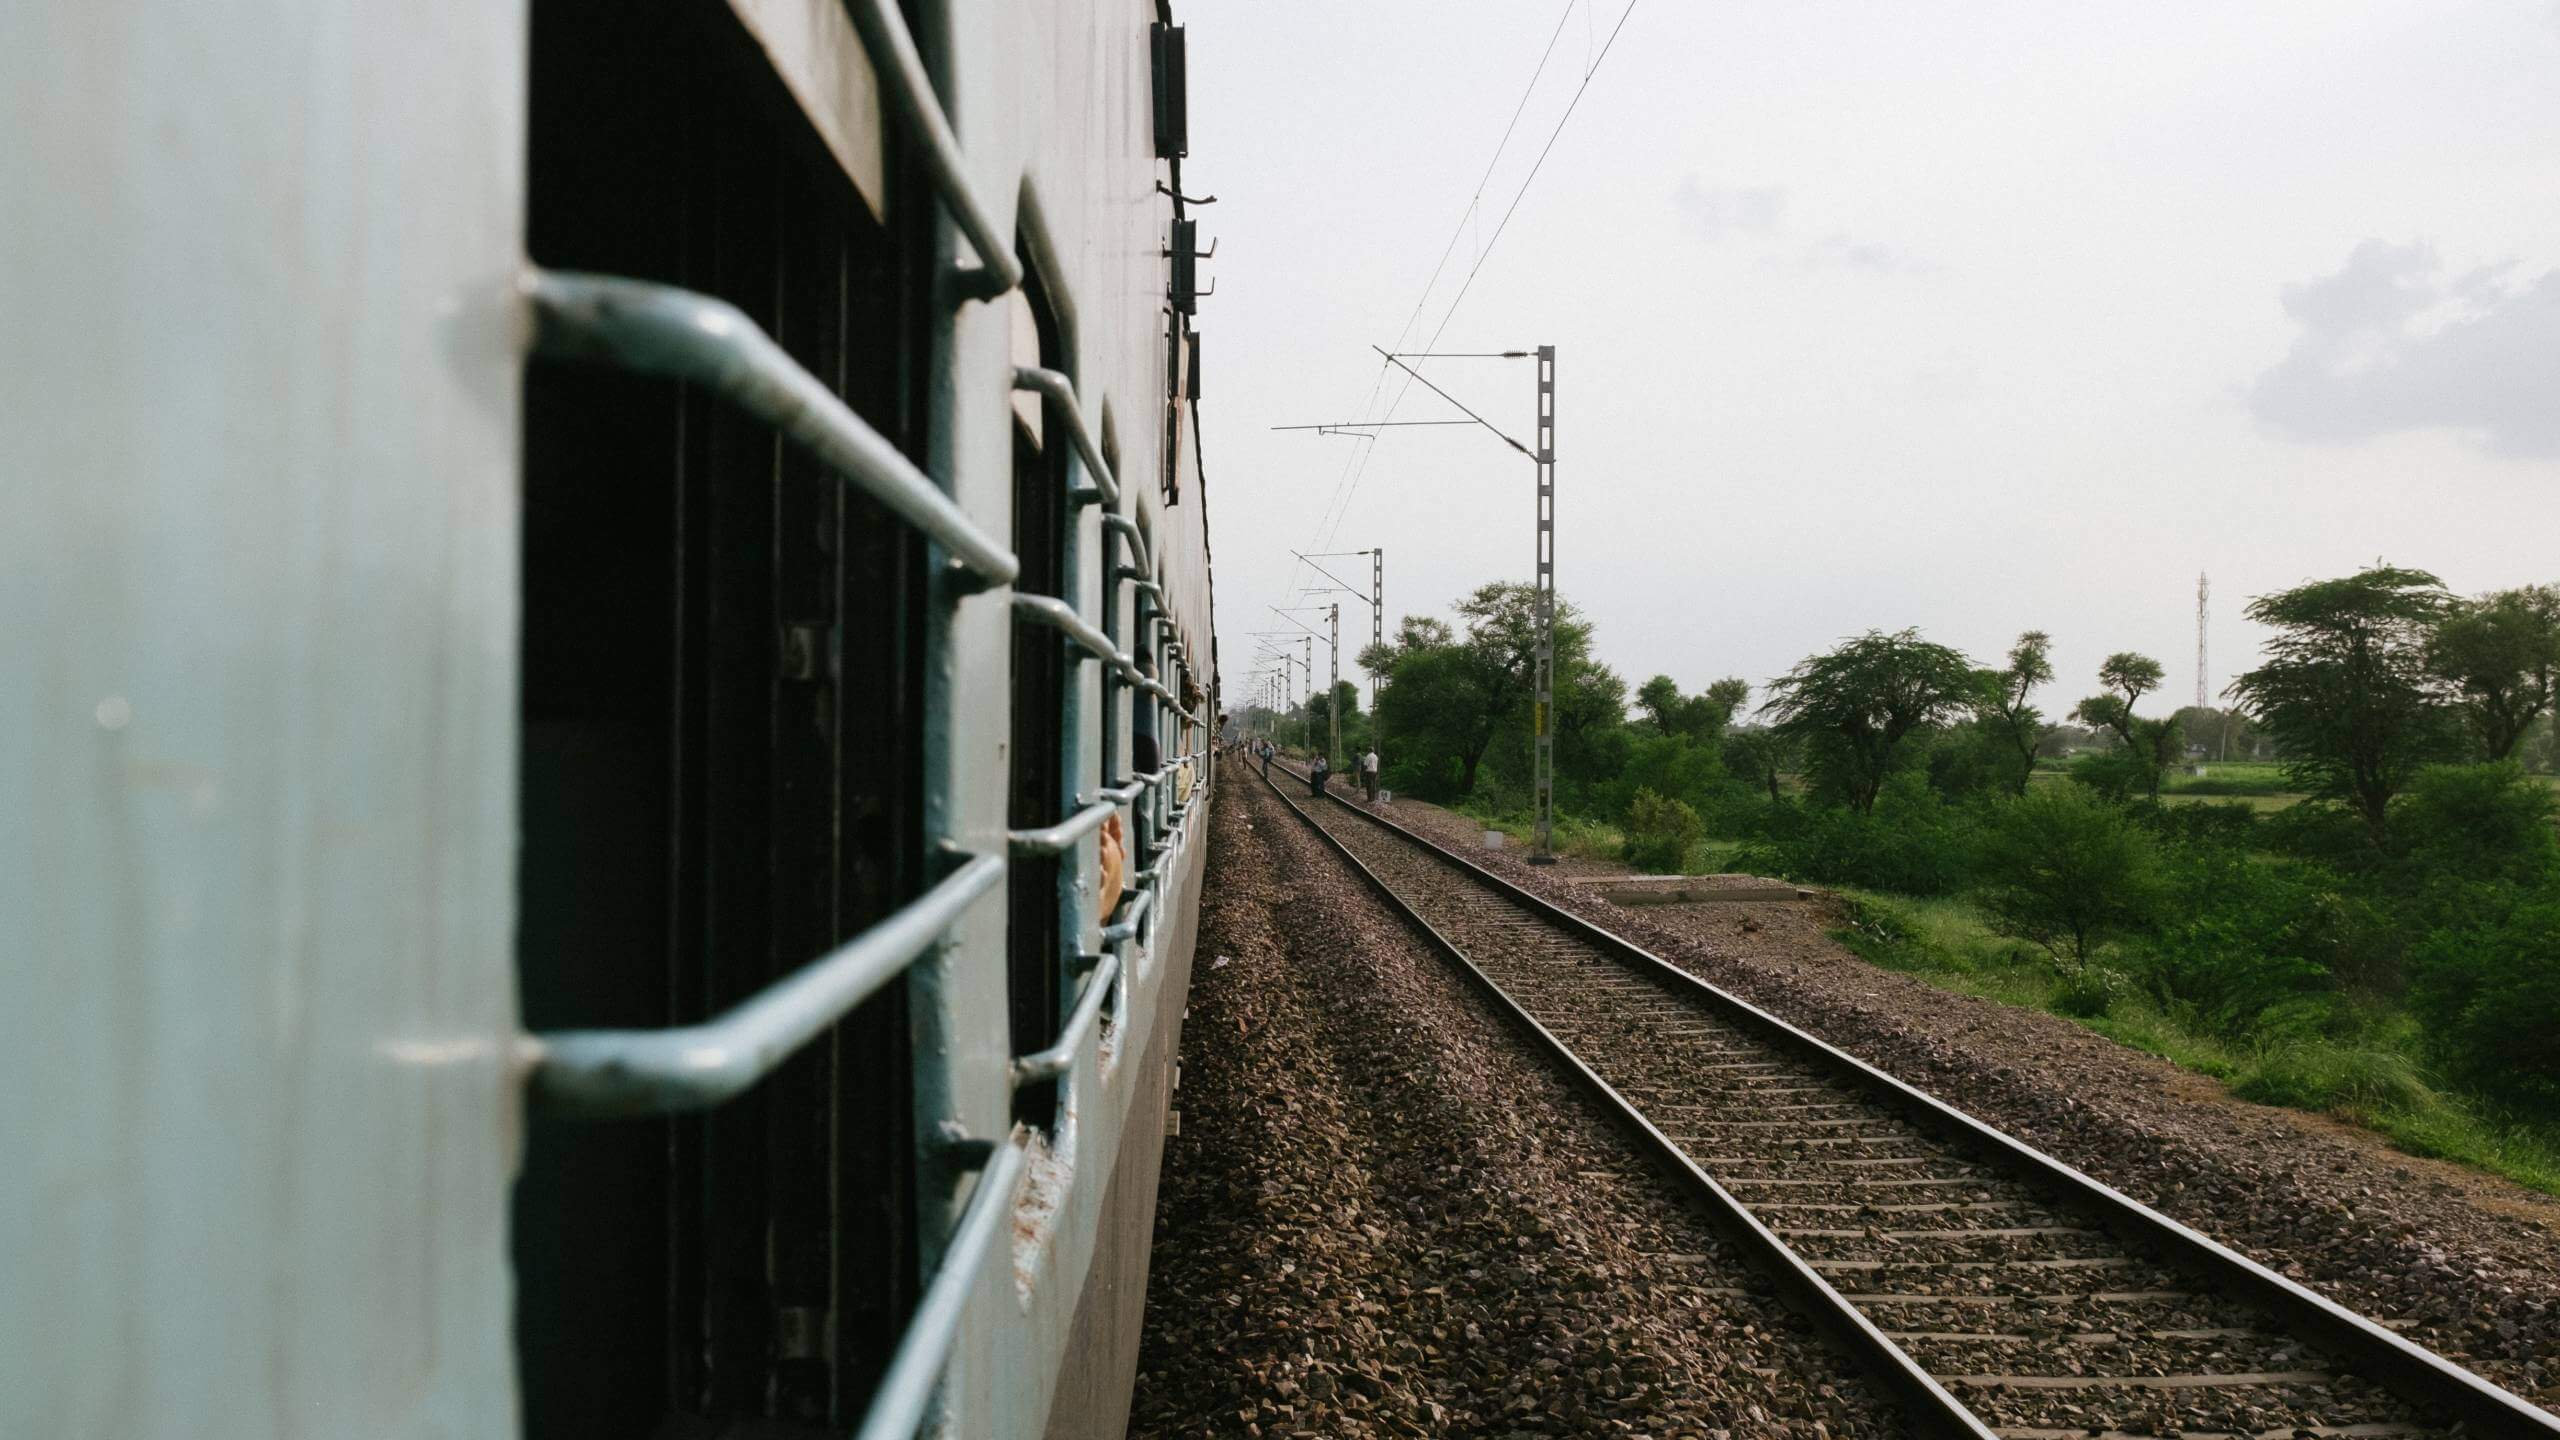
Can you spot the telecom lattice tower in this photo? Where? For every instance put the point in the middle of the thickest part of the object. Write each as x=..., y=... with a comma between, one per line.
x=2204, y=591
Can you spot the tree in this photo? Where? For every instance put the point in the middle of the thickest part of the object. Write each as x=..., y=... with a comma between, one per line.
x=1446, y=697
x=1320, y=718
x=2346, y=692
x=1757, y=755
x=2066, y=870
x=1702, y=716
x=1852, y=706
x=2499, y=655
x=2128, y=677
x=2005, y=710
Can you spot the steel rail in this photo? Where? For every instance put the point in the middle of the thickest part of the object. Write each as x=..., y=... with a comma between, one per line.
x=908, y=1386
x=909, y=91
x=1061, y=391
x=1053, y=1062
x=1934, y=1410
x=694, y=1067
x=2414, y=1373
x=663, y=330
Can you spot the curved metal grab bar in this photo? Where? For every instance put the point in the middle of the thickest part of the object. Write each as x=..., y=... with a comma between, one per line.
x=1126, y=927
x=1137, y=538
x=915, y=1371
x=910, y=92
x=694, y=1067
x=1062, y=390
x=1053, y=1062
x=1060, y=616
x=1059, y=838
x=663, y=330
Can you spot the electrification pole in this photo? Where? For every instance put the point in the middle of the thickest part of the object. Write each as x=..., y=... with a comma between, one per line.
x=1546, y=458
x=1333, y=687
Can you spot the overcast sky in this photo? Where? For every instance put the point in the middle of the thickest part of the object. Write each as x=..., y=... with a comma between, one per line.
x=1974, y=317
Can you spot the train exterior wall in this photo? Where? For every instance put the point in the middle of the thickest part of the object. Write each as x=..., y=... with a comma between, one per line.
x=1053, y=105
x=257, y=616
x=260, y=585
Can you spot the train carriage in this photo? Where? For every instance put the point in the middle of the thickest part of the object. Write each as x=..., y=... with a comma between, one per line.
x=609, y=618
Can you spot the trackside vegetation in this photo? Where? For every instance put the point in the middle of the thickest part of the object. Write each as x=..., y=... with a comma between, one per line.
x=2355, y=909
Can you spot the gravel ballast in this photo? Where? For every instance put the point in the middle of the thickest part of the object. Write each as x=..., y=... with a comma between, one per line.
x=2462, y=1263
x=1383, y=1216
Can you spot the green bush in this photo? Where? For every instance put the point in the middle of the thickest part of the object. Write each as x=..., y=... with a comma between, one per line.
x=2243, y=936
x=1660, y=833
x=2063, y=868
x=2358, y=1080
x=1914, y=843
x=2091, y=992
x=2489, y=998
x=2117, y=775
x=2477, y=823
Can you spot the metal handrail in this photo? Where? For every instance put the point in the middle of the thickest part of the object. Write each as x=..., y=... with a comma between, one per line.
x=915, y=1370
x=1059, y=838
x=1126, y=927
x=1053, y=1062
x=1060, y=616
x=1124, y=794
x=663, y=330
x=1057, y=387
x=909, y=91
x=1128, y=526
x=694, y=1067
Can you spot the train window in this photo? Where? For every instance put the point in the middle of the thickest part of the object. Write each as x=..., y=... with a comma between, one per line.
x=1041, y=787
x=1115, y=557
x=721, y=779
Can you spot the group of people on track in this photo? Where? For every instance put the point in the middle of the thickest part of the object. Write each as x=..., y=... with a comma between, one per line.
x=1320, y=773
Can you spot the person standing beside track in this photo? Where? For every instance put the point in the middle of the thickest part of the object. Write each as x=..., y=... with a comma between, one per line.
x=1369, y=774
x=1317, y=774
x=1265, y=749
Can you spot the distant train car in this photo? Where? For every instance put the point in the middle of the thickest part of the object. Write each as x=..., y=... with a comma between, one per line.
x=610, y=686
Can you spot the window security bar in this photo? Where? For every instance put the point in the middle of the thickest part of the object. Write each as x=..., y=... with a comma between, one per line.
x=1125, y=794
x=694, y=1067
x=1053, y=1062
x=1060, y=616
x=1059, y=838
x=906, y=1390
x=1061, y=390
x=909, y=91
x=662, y=330
x=1137, y=539
x=1126, y=927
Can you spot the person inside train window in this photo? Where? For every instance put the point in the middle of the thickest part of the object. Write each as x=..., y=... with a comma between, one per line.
x=1143, y=754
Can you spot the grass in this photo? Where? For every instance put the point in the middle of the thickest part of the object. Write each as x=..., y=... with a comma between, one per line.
x=2371, y=1080
x=1581, y=839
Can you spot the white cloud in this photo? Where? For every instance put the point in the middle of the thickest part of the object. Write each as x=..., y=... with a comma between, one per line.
x=2388, y=345
x=1718, y=213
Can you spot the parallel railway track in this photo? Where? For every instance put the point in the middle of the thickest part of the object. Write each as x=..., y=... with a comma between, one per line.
x=1995, y=1289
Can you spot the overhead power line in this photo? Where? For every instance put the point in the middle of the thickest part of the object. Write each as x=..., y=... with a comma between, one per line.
x=1360, y=460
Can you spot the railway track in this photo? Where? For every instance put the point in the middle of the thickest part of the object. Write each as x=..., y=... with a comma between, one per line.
x=1998, y=1291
